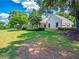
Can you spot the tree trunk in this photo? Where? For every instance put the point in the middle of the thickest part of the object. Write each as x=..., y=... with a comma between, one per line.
x=77, y=20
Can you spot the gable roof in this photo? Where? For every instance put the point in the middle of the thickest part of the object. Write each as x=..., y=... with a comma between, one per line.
x=64, y=20
x=46, y=18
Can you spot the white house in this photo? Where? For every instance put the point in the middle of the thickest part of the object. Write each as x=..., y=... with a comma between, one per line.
x=54, y=21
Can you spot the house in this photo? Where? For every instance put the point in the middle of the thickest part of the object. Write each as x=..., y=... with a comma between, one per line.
x=55, y=21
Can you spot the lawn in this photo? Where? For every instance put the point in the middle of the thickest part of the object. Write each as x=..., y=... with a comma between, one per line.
x=10, y=41
x=7, y=37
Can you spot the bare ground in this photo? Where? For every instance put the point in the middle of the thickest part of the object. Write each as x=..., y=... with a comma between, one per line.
x=36, y=50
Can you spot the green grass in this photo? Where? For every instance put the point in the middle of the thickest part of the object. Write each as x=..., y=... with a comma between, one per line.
x=7, y=37
x=15, y=37
x=53, y=38
x=10, y=40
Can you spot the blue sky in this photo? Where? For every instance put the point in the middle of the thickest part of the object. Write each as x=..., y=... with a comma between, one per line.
x=8, y=5
x=23, y=5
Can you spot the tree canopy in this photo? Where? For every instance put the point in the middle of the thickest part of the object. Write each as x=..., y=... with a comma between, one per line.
x=18, y=18
x=72, y=4
x=35, y=18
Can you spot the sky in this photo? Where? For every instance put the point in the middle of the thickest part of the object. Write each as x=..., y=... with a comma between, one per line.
x=26, y=5
x=7, y=6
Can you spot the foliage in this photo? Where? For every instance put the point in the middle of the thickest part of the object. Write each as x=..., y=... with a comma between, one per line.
x=35, y=19
x=34, y=13
x=41, y=9
x=18, y=19
x=71, y=5
x=60, y=3
x=37, y=29
x=67, y=15
x=13, y=21
x=1, y=23
x=3, y=26
x=15, y=13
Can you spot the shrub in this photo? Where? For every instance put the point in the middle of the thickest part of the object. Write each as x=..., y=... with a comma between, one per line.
x=38, y=29
x=67, y=29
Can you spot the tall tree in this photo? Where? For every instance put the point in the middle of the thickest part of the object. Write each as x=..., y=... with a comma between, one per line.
x=35, y=19
x=18, y=19
x=73, y=6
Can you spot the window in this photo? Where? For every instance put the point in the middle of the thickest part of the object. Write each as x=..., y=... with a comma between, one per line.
x=57, y=24
x=44, y=25
x=49, y=25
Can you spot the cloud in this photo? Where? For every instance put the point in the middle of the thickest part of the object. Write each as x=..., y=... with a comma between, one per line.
x=28, y=4
x=16, y=1
x=4, y=17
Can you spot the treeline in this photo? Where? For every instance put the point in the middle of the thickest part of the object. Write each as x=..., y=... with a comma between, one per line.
x=21, y=20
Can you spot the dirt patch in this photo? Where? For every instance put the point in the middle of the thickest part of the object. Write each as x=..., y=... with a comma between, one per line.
x=36, y=50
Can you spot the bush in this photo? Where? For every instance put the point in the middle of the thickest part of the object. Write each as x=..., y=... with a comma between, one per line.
x=67, y=29
x=4, y=27
x=23, y=28
x=38, y=29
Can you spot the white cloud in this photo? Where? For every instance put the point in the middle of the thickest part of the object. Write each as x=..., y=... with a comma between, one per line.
x=16, y=1
x=4, y=17
x=30, y=5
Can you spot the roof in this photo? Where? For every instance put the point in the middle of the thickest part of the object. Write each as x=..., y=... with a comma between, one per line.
x=64, y=20
x=45, y=19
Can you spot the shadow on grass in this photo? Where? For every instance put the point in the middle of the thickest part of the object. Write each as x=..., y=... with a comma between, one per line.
x=11, y=51
x=32, y=35
x=72, y=35
x=52, y=37
x=12, y=30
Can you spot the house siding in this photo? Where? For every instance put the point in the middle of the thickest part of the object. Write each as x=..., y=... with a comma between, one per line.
x=53, y=19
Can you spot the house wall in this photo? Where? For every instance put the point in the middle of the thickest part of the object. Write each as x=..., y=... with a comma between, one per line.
x=52, y=21
x=67, y=25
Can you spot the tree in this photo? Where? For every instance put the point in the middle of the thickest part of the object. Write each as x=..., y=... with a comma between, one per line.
x=1, y=24
x=17, y=19
x=35, y=19
x=67, y=15
x=17, y=13
x=73, y=6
